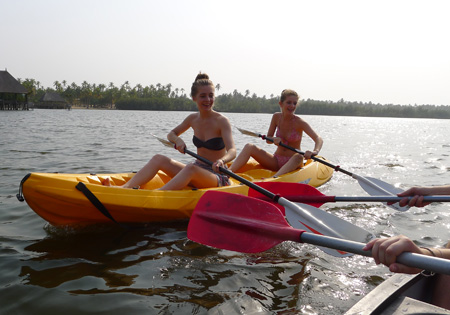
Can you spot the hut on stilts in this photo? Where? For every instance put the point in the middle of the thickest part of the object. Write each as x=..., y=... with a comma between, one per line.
x=52, y=100
x=13, y=95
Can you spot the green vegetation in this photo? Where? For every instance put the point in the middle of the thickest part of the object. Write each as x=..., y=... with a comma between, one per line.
x=165, y=97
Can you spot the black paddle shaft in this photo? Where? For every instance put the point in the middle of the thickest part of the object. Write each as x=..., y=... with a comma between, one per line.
x=259, y=189
x=337, y=168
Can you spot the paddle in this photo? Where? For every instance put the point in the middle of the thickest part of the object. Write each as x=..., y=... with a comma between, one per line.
x=310, y=195
x=299, y=215
x=250, y=225
x=373, y=186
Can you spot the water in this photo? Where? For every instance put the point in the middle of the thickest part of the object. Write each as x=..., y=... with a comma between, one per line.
x=101, y=270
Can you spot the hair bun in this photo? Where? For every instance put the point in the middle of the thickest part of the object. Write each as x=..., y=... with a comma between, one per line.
x=202, y=79
x=202, y=76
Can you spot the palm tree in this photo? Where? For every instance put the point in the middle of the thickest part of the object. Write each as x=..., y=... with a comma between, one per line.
x=152, y=90
x=86, y=92
x=139, y=90
x=169, y=88
x=57, y=86
x=30, y=85
x=218, y=87
x=111, y=89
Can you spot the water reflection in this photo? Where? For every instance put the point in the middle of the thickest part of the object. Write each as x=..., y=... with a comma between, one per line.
x=159, y=261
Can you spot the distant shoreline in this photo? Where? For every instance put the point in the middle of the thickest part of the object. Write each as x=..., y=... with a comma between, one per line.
x=90, y=108
x=225, y=112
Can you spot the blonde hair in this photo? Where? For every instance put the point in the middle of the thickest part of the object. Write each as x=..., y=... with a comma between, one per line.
x=287, y=92
x=201, y=79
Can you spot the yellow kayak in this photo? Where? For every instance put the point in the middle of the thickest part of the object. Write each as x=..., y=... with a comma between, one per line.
x=56, y=199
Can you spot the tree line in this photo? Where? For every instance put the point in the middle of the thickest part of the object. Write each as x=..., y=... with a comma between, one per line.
x=164, y=97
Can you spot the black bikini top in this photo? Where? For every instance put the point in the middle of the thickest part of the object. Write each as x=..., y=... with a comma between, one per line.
x=211, y=144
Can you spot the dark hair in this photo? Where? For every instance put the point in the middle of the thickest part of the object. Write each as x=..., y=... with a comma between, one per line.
x=201, y=79
x=287, y=92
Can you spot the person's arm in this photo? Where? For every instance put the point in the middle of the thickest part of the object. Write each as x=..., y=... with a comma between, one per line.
x=386, y=250
x=173, y=135
x=318, y=141
x=227, y=137
x=418, y=192
x=271, y=130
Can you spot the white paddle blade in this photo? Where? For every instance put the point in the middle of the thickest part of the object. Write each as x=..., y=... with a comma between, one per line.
x=377, y=187
x=164, y=141
x=306, y=181
x=317, y=221
x=329, y=251
x=248, y=133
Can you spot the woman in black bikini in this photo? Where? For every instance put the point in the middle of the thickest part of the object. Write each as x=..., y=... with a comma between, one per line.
x=289, y=130
x=212, y=137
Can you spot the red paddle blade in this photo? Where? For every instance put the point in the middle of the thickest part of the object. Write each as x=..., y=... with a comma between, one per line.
x=292, y=191
x=238, y=223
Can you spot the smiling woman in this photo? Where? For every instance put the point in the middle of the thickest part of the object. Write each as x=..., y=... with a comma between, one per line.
x=212, y=137
x=289, y=131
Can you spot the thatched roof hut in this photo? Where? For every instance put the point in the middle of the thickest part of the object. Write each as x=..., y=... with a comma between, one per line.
x=52, y=100
x=13, y=95
x=8, y=84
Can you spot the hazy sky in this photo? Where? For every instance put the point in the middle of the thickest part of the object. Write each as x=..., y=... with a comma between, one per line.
x=381, y=51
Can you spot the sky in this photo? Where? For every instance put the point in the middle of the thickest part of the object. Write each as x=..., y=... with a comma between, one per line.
x=384, y=51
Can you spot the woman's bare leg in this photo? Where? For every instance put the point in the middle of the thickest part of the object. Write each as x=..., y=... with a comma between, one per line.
x=156, y=163
x=264, y=158
x=191, y=175
x=294, y=162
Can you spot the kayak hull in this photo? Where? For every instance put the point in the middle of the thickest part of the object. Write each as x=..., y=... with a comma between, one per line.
x=400, y=294
x=54, y=196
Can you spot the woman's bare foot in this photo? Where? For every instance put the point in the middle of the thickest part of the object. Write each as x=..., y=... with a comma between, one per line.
x=106, y=182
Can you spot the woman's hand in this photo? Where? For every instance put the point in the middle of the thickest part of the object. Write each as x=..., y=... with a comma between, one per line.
x=217, y=164
x=308, y=154
x=417, y=200
x=276, y=140
x=180, y=145
x=386, y=250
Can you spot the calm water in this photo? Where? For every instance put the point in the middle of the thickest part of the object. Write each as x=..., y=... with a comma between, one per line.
x=101, y=270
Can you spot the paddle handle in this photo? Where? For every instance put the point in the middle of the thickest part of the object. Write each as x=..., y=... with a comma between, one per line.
x=434, y=264
x=391, y=198
x=335, y=167
x=325, y=199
